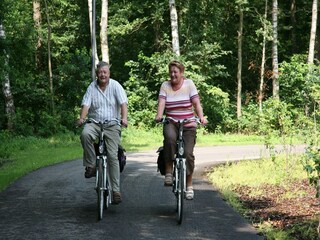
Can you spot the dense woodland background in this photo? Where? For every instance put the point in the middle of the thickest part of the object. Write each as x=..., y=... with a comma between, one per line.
x=47, y=61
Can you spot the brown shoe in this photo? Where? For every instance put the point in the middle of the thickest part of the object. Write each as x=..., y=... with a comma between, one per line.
x=90, y=172
x=116, y=198
x=168, y=181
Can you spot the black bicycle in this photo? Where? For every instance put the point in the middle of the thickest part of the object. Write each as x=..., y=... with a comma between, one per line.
x=102, y=185
x=179, y=170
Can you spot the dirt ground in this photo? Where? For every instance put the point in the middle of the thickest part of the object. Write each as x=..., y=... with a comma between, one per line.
x=282, y=207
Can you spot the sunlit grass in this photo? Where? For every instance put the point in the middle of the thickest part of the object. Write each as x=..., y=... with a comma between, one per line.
x=254, y=173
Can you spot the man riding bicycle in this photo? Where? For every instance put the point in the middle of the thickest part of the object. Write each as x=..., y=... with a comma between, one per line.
x=104, y=100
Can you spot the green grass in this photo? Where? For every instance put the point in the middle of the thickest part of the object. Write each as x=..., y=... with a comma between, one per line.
x=279, y=171
x=21, y=155
x=256, y=173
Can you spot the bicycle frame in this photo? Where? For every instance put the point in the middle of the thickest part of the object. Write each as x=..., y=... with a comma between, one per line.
x=180, y=162
x=102, y=183
x=179, y=172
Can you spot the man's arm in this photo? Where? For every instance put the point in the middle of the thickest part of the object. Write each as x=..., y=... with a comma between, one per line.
x=83, y=115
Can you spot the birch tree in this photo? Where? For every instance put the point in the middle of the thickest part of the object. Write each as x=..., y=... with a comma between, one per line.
x=92, y=19
x=275, y=64
x=174, y=27
x=239, y=72
x=37, y=25
x=313, y=31
x=6, y=88
x=104, y=31
x=263, y=59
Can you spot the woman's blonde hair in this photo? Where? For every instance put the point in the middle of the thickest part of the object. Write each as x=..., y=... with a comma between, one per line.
x=177, y=64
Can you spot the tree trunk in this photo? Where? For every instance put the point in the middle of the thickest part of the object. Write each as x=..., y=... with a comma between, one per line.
x=37, y=25
x=174, y=27
x=313, y=31
x=263, y=60
x=293, y=9
x=49, y=59
x=6, y=88
x=275, y=75
x=92, y=20
x=239, y=72
x=104, y=31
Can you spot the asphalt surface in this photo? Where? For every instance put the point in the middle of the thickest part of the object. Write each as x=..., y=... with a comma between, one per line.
x=57, y=202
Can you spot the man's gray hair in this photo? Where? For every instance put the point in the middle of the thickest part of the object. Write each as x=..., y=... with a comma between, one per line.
x=102, y=64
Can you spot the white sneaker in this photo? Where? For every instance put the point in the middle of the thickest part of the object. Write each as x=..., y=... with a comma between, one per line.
x=189, y=193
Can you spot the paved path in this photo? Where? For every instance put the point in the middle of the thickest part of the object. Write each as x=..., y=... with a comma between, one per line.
x=57, y=202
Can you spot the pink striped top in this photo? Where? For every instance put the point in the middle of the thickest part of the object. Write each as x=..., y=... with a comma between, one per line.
x=179, y=102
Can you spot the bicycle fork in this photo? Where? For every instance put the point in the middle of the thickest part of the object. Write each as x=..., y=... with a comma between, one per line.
x=180, y=165
x=104, y=173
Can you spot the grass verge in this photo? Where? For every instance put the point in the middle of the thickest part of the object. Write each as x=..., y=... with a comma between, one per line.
x=271, y=195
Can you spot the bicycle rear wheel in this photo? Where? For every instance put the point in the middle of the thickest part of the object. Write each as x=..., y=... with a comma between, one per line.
x=100, y=190
x=180, y=193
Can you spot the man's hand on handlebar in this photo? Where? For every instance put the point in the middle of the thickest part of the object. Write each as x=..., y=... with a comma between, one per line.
x=124, y=122
x=80, y=122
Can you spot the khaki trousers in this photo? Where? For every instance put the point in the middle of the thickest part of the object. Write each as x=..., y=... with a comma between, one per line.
x=89, y=135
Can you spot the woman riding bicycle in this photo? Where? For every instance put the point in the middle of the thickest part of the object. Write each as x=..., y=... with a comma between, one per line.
x=179, y=98
x=104, y=100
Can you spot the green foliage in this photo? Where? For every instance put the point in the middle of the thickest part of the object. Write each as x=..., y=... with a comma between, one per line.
x=139, y=38
x=312, y=166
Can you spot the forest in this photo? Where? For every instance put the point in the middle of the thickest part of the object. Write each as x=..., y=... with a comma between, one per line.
x=254, y=62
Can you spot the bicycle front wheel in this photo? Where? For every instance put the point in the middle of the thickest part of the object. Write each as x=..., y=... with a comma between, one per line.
x=180, y=193
x=100, y=190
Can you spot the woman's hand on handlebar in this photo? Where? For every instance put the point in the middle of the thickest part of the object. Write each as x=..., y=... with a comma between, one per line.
x=203, y=121
x=158, y=119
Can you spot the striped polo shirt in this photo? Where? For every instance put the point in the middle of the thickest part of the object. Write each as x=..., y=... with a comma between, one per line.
x=178, y=103
x=104, y=105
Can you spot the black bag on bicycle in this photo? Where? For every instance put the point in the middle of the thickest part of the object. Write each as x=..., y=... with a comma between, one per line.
x=122, y=157
x=161, y=161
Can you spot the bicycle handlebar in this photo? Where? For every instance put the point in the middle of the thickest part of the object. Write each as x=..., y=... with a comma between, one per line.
x=109, y=122
x=185, y=120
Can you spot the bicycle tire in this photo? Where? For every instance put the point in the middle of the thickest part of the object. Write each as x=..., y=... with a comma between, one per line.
x=180, y=193
x=107, y=195
x=100, y=190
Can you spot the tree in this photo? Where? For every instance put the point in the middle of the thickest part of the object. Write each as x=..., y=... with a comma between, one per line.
x=174, y=27
x=104, y=32
x=6, y=87
x=37, y=25
x=49, y=59
x=263, y=59
x=275, y=67
x=92, y=22
x=313, y=31
x=293, y=10
x=239, y=72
